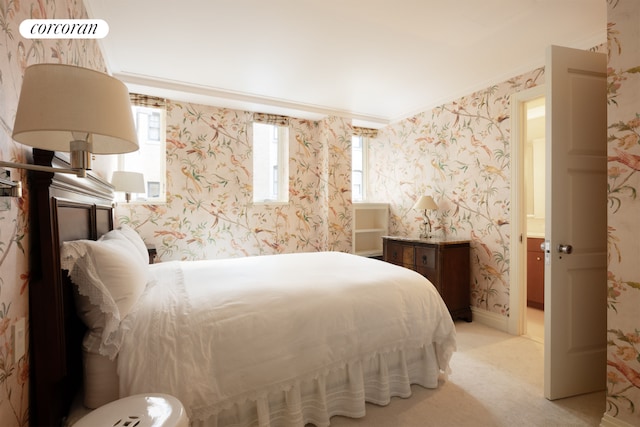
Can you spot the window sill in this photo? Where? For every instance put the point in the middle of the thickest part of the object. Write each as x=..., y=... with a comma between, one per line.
x=271, y=203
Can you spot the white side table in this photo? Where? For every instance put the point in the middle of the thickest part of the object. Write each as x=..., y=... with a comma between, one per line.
x=141, y=410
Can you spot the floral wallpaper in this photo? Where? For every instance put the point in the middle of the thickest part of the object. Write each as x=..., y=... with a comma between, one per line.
x=459, y=152
x=209, y=211
x=16, y=53
x=623, y=324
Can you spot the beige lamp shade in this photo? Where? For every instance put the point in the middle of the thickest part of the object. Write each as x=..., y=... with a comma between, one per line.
x=63, y=103
x=128, y=182
x=425, y=203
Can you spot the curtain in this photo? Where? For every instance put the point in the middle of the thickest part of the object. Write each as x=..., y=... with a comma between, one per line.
x=146, y=100
x=366, y=132
x=271, y=119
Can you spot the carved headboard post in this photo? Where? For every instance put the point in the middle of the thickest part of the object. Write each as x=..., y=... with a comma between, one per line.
x=45, y=333
x=63, y=207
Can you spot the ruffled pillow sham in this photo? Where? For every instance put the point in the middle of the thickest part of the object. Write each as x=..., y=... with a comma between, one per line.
x=109, y=276
x=108, y=282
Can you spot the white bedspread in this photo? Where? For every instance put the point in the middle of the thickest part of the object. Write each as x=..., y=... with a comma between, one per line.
x=220, y=332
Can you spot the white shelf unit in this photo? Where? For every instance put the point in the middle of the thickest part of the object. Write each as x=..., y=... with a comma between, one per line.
x=370, y=223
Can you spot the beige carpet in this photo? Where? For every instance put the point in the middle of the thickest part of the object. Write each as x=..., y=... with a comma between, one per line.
x=497, y=380
x=535, y=324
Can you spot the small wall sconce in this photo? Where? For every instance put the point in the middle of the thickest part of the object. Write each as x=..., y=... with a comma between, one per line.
x=425, y=203
x=76, y=110
x=128, y=182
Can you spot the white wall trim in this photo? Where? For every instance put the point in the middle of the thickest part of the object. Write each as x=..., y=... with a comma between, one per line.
x=609, y=421
x=488, y=318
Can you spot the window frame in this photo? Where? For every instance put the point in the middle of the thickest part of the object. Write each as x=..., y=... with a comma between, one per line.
x=123, y=164
x=364, y=172
x=279, y=174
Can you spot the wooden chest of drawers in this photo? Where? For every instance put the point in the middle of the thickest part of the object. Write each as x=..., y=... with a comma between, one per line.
x=447, y=264
x=535, y=273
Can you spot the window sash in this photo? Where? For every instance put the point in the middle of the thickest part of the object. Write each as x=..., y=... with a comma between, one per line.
x=359, y=166
x=154, y=175
x=277, y=172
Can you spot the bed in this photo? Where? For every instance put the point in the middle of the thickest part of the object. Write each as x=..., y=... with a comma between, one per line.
x=273, y=340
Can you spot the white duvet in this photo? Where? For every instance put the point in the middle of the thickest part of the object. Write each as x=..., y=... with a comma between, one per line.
x=219, y=333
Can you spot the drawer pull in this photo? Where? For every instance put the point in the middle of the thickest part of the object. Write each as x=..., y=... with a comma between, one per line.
x=424, y=260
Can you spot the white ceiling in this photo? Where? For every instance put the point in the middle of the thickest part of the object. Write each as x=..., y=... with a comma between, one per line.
x=375, y=61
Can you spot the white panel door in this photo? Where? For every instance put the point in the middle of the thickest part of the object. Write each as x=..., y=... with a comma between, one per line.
x=576, y=226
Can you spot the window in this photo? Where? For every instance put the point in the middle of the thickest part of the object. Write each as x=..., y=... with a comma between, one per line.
x=150, y=158
x=358, y=164
x=270, y=163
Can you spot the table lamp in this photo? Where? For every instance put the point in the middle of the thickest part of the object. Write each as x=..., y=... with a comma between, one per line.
x=425, y=203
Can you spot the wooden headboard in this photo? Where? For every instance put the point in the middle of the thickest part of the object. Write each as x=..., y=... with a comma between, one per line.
x=63, y=208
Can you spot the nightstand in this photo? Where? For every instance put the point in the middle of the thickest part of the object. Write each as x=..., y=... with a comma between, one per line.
x=153, y=254
x=446, y=263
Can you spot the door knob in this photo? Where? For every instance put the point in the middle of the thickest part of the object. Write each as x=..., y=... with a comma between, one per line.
x=565, y=249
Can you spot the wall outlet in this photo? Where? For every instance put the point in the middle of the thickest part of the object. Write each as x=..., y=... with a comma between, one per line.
x=19, y=339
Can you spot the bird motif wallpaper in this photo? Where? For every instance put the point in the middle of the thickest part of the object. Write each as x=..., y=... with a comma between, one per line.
x=623, y=117
x=459, y=153
x=210, y=211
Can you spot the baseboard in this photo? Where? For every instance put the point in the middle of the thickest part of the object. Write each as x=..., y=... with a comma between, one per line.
x=491, y=319
x=609, y=421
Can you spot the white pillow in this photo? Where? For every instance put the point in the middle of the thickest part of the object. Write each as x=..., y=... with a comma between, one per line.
x=108, y=282
x=126, y=232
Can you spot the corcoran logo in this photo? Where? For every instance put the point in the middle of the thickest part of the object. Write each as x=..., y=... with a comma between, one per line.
x=64, y=28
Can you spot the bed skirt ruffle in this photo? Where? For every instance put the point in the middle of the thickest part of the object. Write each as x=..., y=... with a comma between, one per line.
x=342, y=391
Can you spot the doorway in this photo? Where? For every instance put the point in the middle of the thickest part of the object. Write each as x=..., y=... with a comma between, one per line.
x=528, y=212
x=534, y=170
x=575, y=250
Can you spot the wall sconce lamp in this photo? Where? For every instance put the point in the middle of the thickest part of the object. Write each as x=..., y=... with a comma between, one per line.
x=75, y=110
x=425, y=203
x=128, y=182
